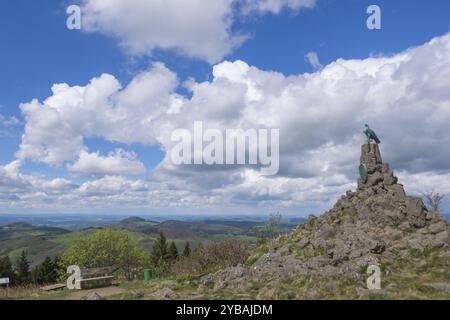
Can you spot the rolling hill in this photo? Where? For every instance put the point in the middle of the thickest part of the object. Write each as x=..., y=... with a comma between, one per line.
x=37, y=241
x=42, y=241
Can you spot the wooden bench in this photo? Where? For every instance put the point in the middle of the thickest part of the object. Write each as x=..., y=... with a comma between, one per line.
x=53, y=287
x=96, y=277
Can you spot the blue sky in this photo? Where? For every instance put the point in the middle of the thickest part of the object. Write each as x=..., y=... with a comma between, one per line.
x=37, y=51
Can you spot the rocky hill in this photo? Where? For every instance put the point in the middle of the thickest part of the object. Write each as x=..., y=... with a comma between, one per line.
x=328, y=256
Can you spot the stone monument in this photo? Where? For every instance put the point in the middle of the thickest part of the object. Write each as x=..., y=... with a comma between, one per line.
x=377, y=223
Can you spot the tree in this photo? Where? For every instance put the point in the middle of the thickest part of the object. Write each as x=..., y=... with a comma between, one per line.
x=271, y=228
x=434, y=200
x=173, y=251
x=187, y=250
x=23, y=269
x=107, y=248
x=46, y=272
x=6, y=269
x=160, y=250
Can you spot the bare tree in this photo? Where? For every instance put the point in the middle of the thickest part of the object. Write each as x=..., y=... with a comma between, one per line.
x=434, y=200
x=270, y=229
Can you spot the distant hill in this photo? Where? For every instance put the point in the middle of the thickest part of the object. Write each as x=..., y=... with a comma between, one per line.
x=37, y=241
x=137, y=224
x=23, y=229
x=194, y=230
x=132, y=220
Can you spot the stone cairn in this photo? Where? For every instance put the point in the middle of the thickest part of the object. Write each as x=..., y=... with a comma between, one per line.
x=382, y=199
x=376, y=223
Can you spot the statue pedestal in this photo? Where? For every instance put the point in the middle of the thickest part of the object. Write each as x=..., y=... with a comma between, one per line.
x=377, y=172
x=371, y=156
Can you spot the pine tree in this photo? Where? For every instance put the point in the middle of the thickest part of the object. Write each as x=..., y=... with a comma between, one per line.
x=23, y=269
x=160, y=251
x=6, y=269
x=187, y=250
x=59, y=268
x=45, y=273
x=173, y=251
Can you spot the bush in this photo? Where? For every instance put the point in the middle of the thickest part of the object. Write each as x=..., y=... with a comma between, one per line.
x=107, y=248
x=212, y=257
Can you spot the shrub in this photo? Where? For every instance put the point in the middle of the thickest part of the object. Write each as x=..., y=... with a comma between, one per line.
x=212, y=257
x=107, y=248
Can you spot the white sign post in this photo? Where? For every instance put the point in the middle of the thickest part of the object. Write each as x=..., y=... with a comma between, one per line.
x=4, y=281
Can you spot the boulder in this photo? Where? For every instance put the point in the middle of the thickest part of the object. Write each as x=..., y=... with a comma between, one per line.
x=377, y=246
x=437, y=227
x=416, y=212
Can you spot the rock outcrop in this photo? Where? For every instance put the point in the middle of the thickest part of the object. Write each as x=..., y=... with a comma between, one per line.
x=376, y=224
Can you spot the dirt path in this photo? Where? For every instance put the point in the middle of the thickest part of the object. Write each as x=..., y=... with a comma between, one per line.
x=103, y=292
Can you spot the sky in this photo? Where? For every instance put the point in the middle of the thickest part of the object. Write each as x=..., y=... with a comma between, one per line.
x=86, y=116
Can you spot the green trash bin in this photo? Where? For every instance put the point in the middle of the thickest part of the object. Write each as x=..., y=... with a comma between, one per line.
x=147, y=274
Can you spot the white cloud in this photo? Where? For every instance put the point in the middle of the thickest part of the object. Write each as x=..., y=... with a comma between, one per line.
x=34, y=191
x=11, y=121
x=200, y=29
x=313, y=60
x=418, y=183
x=7, y=125
x=11, y=181
x=321, y=115
x=276, y=6
x=119, y=162
x=56, y=128
x=111, y=186
x=47, y=137
x=196, y=28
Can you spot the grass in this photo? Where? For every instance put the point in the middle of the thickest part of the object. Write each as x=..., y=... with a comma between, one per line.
x=404, y=279
x=31, y=293
x=67, y=239
x=258, y=253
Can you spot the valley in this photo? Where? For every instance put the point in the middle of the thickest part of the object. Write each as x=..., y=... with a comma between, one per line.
x=50, y=236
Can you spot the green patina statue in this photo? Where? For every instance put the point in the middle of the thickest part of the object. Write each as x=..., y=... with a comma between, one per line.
x=371, y=135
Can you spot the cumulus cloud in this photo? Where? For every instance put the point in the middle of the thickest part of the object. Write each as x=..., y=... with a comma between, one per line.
x=11, y=181
x=200, y=29
x=196, y=28
x=56, y=128
x=404, y=97
x=119, y=162
x=18, y=190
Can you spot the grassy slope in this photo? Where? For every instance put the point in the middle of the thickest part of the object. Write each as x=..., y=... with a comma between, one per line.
x=404, y=280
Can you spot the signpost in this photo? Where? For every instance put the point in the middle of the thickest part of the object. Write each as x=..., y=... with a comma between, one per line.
x=5, y=281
